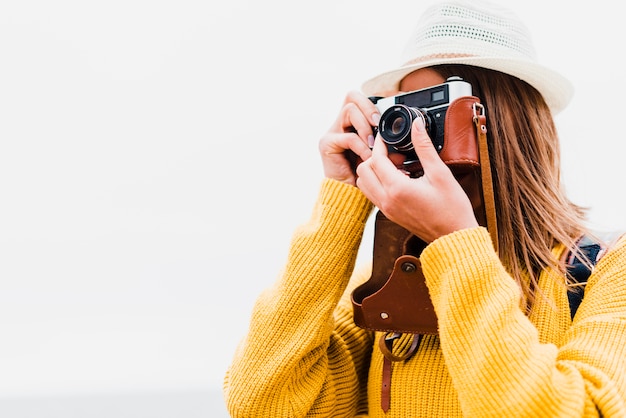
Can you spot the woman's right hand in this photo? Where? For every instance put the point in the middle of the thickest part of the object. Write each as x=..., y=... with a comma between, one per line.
x=349, y=139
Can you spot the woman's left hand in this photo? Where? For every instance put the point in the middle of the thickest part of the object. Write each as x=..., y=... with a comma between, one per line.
x=429, y=206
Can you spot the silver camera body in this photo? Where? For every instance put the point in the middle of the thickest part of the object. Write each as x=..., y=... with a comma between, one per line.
x=398, y=113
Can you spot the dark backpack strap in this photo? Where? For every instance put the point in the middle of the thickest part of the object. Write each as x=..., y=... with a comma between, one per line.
x=580, y=272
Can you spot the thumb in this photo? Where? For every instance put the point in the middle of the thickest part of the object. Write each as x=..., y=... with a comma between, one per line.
x=423, y=145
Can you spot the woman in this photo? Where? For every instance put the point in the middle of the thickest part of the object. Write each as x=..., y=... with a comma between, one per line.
x=507, y=345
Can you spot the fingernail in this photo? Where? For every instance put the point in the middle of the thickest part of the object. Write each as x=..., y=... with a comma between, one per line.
x=370, y=140
x=376, y=118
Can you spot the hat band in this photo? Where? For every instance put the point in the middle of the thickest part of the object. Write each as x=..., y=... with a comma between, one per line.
x=436, y=56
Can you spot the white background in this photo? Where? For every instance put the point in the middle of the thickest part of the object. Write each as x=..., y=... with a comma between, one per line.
x=155, y=157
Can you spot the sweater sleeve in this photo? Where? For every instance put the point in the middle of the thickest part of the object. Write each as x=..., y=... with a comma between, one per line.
x=302, y=354
x=493, y=352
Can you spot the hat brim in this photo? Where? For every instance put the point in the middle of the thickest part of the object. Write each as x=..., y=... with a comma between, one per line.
x=556, y=90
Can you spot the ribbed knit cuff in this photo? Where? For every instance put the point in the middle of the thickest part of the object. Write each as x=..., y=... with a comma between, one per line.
x=346, y=198
x=462, y=253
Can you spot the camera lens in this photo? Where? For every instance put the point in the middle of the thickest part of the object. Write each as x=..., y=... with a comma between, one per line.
x=395, y=126
x=398, y=126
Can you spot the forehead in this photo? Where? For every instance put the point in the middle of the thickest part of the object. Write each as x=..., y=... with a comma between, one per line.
x=421, y=79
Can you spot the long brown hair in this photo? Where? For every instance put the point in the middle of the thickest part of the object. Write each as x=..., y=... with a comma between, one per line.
x=533, y=212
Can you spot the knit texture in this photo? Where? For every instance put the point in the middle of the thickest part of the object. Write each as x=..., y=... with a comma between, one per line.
x=303, y=355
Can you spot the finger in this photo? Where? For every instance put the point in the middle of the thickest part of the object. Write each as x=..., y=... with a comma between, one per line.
x=359, y=115
x=367, y=181
x=355, y=144
x=365, y=105
x=366, y=176
x=424, y=148
x=338, y=143
x=359, y=112
x=353, y=121
x=380, y=164
x=380, y=148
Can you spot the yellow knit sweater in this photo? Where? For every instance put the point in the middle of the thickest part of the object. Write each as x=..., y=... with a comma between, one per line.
x=303, y=355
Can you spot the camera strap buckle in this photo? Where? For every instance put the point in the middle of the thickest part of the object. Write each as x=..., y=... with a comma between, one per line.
x=478, y=109
x=386, y=346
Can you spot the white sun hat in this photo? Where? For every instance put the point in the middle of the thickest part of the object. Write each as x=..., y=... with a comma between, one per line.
x=480, y=34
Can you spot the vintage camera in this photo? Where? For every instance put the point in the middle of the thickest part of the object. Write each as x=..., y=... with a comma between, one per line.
x=398, y=113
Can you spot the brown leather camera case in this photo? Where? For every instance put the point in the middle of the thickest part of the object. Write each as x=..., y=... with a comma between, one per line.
x=395, y=298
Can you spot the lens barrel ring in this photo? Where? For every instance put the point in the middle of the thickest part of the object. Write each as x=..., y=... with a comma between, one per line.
x=395, y=126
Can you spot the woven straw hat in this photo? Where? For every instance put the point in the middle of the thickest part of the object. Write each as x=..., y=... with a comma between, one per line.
x=480, y=34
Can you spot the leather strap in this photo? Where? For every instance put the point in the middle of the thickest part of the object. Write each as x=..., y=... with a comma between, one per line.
x=485, y=172
x=385, y=391
x=386, y=346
